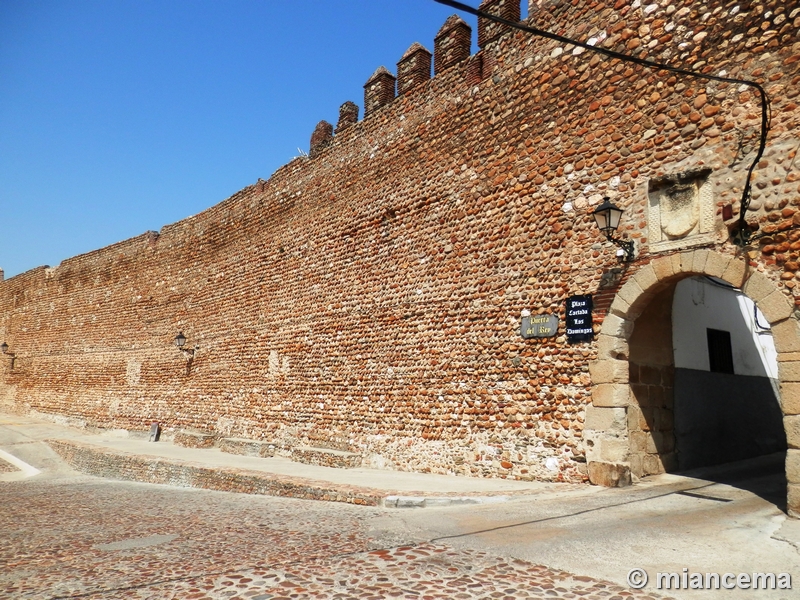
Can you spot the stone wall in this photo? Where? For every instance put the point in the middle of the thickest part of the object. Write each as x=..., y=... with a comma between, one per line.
x=652, y=378
x=368, y=298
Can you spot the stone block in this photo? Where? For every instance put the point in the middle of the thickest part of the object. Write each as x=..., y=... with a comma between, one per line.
x=664, y=419
x=668, y=401
x=609, y=474
x=647, y=418
x=716, y=264
x=616, y=326
x=792, y=426
x=793, y=500
x=659, y=442
x=619, y=306
x=612, y=347
x=650, y=374
x=591, y=444
x=630, y=292
x=638, y=441
x=612, y=449
x=669, y=462
x=776, y=307
x=637, y=465
x=793, y=466
x=608, y=371
x=790, y=398
x=757, y=287
x=605, y=419
x=658, y=396
x=611, y=394
x=676, y=261
x=640, y=394
x=634, y=418
x=699, y=261
x=646, y=278
x=652, y=464
x=735, y=272
x=662, y=267
x=687, y=262
x=789, y=371
x=786, y=336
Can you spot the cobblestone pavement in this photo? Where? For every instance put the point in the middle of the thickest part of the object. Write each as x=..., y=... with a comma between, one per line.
x=81, y=537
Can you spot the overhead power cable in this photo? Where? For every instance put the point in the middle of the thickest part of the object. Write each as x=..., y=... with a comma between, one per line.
x=741, y=235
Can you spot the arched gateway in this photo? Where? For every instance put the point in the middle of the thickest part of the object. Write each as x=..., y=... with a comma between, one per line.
x=628, y=429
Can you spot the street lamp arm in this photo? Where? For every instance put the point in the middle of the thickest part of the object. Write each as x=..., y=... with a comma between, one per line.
x=742, y=235
x=626, y=245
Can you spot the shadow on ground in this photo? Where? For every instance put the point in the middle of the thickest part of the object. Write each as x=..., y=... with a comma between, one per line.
x=764, y=476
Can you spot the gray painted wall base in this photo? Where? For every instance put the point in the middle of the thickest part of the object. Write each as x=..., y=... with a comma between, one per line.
x=722, y=418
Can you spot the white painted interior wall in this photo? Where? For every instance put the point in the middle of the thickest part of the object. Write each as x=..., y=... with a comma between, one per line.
x=705, y=302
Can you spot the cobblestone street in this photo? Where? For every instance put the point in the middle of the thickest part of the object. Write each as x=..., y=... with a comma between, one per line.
x=81, y=537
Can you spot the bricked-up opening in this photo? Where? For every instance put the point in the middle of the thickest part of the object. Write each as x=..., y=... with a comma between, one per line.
x=658, y=406
x=720, y=351
x=489, y=31
x=452, y=44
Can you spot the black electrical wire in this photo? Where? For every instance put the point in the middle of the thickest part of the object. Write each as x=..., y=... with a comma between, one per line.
x=724, y=284
x=755, y=319
x=743, y=234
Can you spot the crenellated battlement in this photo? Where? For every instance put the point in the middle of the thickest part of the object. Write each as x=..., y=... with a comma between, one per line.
x=491, y=31
x=452, y=45
x=378, y=91
x=680, y=33
x=413, y=69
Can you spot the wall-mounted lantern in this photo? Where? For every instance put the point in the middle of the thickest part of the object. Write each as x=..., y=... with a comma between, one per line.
x=180, y=344
x=11, y=355
x=607, y=217
x=180, y=341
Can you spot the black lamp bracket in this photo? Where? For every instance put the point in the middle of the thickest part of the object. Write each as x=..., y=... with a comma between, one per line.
x=626, y=245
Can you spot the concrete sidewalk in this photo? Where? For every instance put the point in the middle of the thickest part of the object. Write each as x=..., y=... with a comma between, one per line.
x=113, y=455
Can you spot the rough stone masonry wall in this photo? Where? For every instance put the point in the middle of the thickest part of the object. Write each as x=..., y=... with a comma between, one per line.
x=368, y=298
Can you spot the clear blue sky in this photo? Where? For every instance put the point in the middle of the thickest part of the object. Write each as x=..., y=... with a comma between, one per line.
x=121, y=116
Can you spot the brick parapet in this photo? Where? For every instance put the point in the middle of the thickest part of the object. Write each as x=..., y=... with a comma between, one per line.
x=321, y=138
x=452, y=44
x=488, y=30
x=348, y=115
x=413, y=69
x=378, y=91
